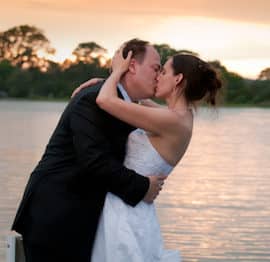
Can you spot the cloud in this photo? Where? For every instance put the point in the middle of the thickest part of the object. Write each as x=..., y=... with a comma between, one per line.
x=237, y=10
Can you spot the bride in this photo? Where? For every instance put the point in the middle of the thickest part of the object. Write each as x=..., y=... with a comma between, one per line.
x=161, y=139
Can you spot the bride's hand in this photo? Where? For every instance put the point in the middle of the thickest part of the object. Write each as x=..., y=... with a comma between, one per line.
x=119, y=63
x=88, y=83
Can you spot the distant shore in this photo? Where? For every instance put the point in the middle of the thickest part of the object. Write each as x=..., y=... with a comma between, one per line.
x=42, y=99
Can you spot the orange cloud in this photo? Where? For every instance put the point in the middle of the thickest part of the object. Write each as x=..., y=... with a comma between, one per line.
x=240, y=10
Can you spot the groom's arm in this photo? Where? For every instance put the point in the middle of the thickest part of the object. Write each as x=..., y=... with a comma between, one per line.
x=96, y=158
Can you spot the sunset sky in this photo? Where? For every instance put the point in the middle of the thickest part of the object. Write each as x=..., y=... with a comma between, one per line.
x=235, y=32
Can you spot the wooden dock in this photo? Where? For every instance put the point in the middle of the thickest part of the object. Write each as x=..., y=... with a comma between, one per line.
x=15, y=251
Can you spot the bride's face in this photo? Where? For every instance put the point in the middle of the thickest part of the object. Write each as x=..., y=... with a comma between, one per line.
x=167, y=81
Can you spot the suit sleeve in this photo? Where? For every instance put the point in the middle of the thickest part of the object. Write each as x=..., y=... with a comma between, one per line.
x=95, y=156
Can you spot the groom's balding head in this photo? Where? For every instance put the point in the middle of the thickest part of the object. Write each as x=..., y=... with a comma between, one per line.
x=141, y=78
x=138, y=48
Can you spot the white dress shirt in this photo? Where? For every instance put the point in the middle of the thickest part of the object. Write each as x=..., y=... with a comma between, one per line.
x=124, y=92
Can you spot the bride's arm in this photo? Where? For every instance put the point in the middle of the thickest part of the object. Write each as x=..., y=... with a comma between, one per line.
x=153, y=119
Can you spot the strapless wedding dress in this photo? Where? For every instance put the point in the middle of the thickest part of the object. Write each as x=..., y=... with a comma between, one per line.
x=132, y=234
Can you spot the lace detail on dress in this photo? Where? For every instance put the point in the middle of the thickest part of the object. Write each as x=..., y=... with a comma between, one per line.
x=142, y=157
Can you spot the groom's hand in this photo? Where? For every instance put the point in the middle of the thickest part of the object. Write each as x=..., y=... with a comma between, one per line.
x=156, y=183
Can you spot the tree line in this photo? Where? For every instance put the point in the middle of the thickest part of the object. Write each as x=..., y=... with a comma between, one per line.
x=27, y=72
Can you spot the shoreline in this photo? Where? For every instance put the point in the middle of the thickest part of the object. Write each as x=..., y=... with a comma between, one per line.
x=13, y=99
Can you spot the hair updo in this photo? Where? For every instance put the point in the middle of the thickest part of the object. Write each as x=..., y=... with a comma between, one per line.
x=199, y=78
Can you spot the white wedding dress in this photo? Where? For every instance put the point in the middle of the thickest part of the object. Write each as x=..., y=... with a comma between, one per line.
x=132, y=234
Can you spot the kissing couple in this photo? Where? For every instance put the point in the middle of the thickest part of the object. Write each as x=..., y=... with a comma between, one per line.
x=91, y=196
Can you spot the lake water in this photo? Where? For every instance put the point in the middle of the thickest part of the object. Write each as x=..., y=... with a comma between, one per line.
x=214, y=207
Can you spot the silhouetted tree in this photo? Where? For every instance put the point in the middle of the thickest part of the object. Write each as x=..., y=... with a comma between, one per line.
x=24, y=45
x=89, y=53
x=265, y=74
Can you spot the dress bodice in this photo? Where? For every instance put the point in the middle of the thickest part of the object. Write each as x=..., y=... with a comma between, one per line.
x=142, y=157
x=133, y=233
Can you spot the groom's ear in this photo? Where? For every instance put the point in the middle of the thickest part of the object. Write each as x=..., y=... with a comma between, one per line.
x=132, y=66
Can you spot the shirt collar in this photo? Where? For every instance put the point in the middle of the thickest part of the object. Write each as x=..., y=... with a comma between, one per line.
x=124, y=92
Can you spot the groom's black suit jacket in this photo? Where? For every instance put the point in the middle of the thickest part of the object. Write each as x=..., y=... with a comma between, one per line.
x=65, y=194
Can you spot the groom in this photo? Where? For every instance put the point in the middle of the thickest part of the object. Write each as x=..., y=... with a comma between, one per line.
x=64, y=197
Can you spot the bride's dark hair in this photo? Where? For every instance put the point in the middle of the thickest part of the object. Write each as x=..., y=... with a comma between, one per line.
x=200, y=80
